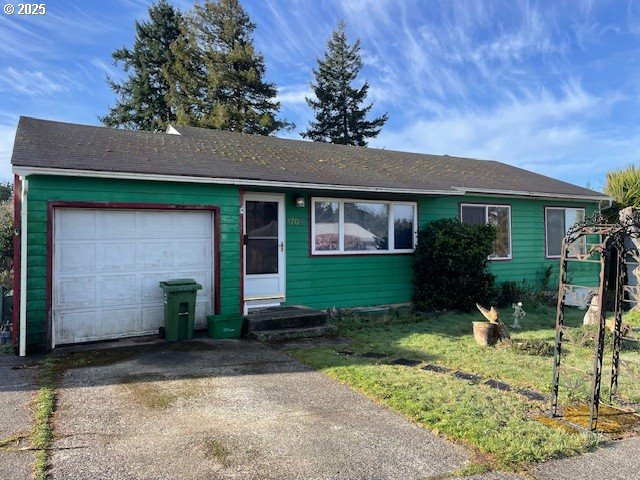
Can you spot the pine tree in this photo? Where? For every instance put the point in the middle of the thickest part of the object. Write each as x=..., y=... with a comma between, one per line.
x=340, y=116
x=187, y=79
x=219, y=75
x=142, y=97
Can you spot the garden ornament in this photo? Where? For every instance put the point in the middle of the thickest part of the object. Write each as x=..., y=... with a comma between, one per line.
x=593, y=313
x=518, y=314
x=494, y=317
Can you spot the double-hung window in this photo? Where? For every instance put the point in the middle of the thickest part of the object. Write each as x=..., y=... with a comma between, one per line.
x=557, y=221
x=342, y=226
x=497, y=215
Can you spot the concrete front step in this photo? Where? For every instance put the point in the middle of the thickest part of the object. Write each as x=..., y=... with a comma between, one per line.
x=279, y=318
x=293, y=333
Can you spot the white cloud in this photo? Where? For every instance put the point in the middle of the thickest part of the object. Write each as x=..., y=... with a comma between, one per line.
x=32, y=82
x=291, y=95
x=546, y=133
x=107, y=69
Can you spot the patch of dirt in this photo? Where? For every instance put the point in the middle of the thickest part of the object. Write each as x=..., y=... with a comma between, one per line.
x=156, y=391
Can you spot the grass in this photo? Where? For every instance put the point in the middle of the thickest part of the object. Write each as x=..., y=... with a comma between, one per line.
x=214, y=449
x=44, y=405
x=500, y=425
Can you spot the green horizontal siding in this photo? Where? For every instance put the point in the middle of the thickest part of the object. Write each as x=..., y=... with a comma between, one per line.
x=315, y=281
x=529, y=262
x=340, y=281
x=45, y=188
x=343, y=281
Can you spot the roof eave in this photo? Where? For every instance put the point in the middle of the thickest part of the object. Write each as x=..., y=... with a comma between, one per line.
x=26, y=170
x=522, y=193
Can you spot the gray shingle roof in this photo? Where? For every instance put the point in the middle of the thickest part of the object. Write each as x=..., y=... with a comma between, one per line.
x=199, y=152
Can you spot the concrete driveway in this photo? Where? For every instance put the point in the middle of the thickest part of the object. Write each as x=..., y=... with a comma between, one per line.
x=233, y=409
x=17, y=388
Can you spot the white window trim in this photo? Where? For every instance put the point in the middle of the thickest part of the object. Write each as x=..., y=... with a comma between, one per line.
x=546, y=231
x=487, y=206
x=341, y=250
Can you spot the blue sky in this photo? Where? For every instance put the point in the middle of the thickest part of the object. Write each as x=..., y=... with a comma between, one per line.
x=552, y=86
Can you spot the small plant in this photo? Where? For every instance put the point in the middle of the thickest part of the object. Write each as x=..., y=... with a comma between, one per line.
x=538, y=348
x=577, y=388
x=582, y=336
x=545, y=282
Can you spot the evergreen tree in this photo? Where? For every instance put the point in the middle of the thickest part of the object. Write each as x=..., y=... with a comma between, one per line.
x=142, y=96
x=219, y=77
x=187, y=79
x=340, y=116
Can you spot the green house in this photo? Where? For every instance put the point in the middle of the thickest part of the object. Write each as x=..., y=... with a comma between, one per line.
x=103, y=215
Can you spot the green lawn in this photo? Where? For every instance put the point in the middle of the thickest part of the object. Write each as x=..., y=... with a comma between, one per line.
x=501, y=426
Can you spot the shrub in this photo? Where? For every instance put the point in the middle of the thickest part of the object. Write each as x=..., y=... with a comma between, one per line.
x=451, y=266
x=624, y=186
x=6, y=244
x=509, y=293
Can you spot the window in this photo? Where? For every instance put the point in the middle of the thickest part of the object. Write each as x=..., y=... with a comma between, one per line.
x=557, y=221
x=327, y=228
x=262, y=237
x=341, y=226
x=497, y=215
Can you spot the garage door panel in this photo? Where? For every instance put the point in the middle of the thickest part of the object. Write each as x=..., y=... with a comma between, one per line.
x=192, y=223
x=116, y=224
x=190, y=254
x=150, y=292
x=75, y=225
x=156, y=255
x=118, y=322
x=117, y=256
x=76, y=292
x=155, y=224
x=77, y=257
x=153, y=317
x=77, y=326
x=119, y=290
x=108, y=264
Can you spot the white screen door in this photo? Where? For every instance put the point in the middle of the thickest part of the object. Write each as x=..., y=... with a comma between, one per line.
x=264, y=248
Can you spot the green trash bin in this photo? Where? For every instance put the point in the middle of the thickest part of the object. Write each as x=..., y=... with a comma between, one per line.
x=224, y=327
x=179, y=307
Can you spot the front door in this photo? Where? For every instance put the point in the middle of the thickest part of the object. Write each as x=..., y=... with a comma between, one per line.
x=264, y=249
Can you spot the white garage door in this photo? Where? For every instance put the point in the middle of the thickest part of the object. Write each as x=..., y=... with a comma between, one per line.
x=107, y=265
